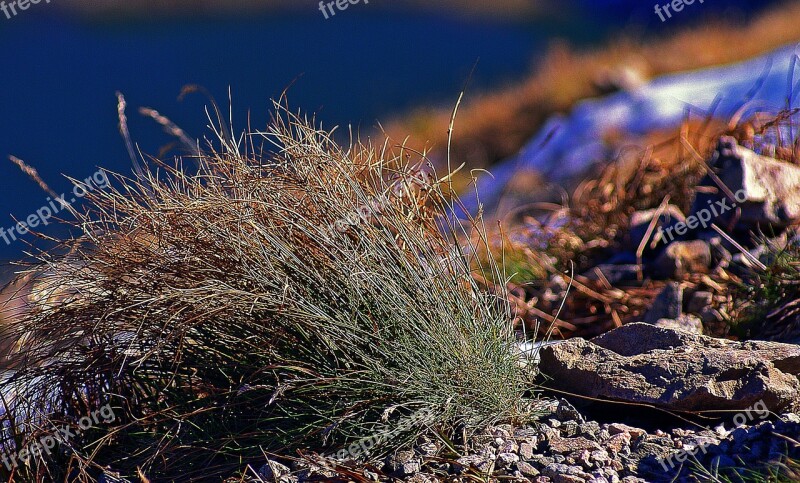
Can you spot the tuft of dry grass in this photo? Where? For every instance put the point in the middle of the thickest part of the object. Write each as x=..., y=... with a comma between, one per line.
x=286, y=296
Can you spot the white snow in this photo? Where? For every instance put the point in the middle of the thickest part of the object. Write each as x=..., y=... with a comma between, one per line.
x=567, y=145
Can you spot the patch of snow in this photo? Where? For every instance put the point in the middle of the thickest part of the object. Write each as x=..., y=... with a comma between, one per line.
x=568, y=145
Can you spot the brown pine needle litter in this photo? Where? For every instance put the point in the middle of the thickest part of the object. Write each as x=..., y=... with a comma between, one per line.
x=288, y=296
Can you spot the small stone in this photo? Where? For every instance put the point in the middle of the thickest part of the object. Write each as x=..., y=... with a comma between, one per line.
x=618, y=443
x=485, y=467
x=683, y=258
x=526, y=434
x=589, y=429
x=584, y=458
x=791, y=418
x=699, y=301
x=272, y=470
x=687, y=323
x=611, y=475
x=568, y=479
x=541, y=460
x=503, y=431
x=422, y=478
x=600, y=457
x=570, y=428
x=571, y=445
x=559, y=473
x=547, y=433
x=404, y=463
x=488, y=453
x=567, y=412
x=510, y=446
x=505, y=460
x=527, y=469
x=526, y=450
x=766, y=189
x=619, y=428
x=667, y=305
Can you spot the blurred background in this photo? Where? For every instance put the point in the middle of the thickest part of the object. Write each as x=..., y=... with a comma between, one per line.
x=394, y=63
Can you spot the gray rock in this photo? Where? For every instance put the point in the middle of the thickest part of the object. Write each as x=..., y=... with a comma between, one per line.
x=273, y=471
x=564, y=473
x=618, y=444
x=609, y=474
x=509, y=446
x=527, y=469
x=699, y=301
x=683, y=258
x=567, y=412
x=404, y=463
x=527, y=450
x=618, y=428
x=570, y=428
x=667, y=305
x=633, y=479
x=541, y=460
x=506, y=460
x=571, y=445
x=768, y=190
x=600, y=457
x=589, y=429
x=686, y=322
x=676, y=370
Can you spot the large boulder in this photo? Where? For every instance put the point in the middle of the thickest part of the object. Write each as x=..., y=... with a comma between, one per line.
x=676, y=370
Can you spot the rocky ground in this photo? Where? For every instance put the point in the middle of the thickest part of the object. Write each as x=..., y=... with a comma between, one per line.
x=566, y=447
x=664, y=381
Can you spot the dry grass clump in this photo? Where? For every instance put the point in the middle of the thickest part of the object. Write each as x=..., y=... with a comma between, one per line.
x=297, y=296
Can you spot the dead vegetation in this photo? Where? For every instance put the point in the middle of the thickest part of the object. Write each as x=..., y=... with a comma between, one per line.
x=287, y=295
